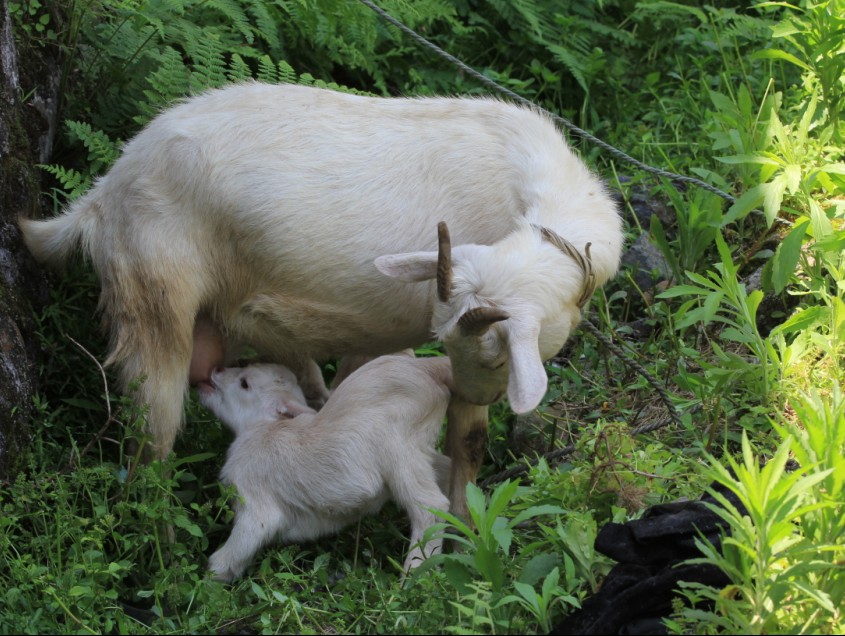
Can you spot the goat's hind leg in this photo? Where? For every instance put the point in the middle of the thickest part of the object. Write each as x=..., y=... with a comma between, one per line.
x=416, y=489
x=153, y=362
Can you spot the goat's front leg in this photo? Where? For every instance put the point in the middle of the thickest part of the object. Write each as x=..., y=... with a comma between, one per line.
x=347, y=365
x=251, y=532
x=311, y=382
x=466, y=441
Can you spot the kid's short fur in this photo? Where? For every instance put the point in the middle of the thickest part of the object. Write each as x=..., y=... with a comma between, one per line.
x=302, y=474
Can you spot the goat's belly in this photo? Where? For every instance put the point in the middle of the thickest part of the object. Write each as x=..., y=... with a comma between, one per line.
x=324, y=329
x=330, y=518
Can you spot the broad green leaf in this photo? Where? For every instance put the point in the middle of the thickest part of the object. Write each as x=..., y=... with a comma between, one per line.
x=458, y=574
x=833, y=168
x=803, y=319
x=682, y=290
x=538, y=567
x=200, y=457
x=774, y=54
x=476, y=504
x=503, y=534
x=458, y=523
x=527, y=592
x=550, y=584
x=755, y=158
x=536, y=511
x=704, y=314
x=749, y=200
x=773, y=197
x=786, y=256
x=736, y=335
x=83, y=404
x=258, y=591
x=819, y=223
x=792, y=177
x=501, y=497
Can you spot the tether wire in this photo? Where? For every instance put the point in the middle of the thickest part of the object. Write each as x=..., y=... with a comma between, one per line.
x=490, y=83
x=664, y=396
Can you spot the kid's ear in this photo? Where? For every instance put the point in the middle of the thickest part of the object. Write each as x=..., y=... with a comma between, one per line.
x=289, y=406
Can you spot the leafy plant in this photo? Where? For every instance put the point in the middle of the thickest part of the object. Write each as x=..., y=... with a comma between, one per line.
x=792, y=167
x=720, y=297
x=781, y=549
x=679, y=86
x=816, y=33
x=697, y=227
x=488, y=537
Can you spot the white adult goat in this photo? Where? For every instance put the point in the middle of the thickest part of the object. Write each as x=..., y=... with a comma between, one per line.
x=301, y=475
x=253, y=214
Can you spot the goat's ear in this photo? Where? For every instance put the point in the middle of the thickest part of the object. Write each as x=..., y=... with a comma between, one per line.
x=527, y=380
x=289, y=407
x=411, y=267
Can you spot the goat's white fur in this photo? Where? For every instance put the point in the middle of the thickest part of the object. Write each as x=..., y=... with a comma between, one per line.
x=263, y=207
x=305, y=477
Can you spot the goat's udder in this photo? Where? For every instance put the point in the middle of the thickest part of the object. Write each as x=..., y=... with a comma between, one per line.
x=207, y=353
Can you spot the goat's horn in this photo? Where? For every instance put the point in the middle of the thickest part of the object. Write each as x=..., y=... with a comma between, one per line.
x=476, y=321
x=584, y=261
x=444, y=262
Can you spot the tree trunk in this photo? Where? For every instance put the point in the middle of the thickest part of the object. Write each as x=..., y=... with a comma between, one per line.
x=26, y=136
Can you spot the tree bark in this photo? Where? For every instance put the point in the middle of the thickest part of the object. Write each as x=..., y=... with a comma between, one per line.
x=26, y=137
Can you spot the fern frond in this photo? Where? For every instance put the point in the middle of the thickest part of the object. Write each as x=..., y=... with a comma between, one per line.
x=267, y=71
x=286, y=73
x=265, y=26
x=238, y=70
x=169, y=81
x=235, y=13
x=73, y=182
x=102, y=151
x=573, y=63
x=209, y=64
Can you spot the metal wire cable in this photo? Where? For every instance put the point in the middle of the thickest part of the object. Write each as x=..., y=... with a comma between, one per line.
x=661, y=391
x=557, y=118
x=673, y=416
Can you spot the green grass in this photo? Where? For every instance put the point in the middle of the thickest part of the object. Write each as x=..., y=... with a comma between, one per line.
x=756, y=375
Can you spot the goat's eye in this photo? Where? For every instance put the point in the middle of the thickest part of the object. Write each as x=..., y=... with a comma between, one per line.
x=495, y=364
x=244, y=384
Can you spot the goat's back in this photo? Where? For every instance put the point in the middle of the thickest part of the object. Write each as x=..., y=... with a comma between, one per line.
x=392, y=395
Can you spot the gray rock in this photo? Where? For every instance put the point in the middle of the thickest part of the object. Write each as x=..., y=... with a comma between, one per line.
x=22, y=283
x=648, y=266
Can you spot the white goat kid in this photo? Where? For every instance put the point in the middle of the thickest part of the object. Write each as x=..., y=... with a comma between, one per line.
x=301, y=474
x=253, y=214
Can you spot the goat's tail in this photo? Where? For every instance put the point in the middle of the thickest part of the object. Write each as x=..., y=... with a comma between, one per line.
x=54, y=241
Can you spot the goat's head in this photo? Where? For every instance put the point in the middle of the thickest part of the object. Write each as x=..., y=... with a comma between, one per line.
x=501, y=309
x=244, y=396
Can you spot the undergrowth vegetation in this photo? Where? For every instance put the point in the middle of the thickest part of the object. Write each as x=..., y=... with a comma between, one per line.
x=745, y=328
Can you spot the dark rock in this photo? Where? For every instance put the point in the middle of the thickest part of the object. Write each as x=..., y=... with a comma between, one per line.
x=647, y=264
x=25, y=139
